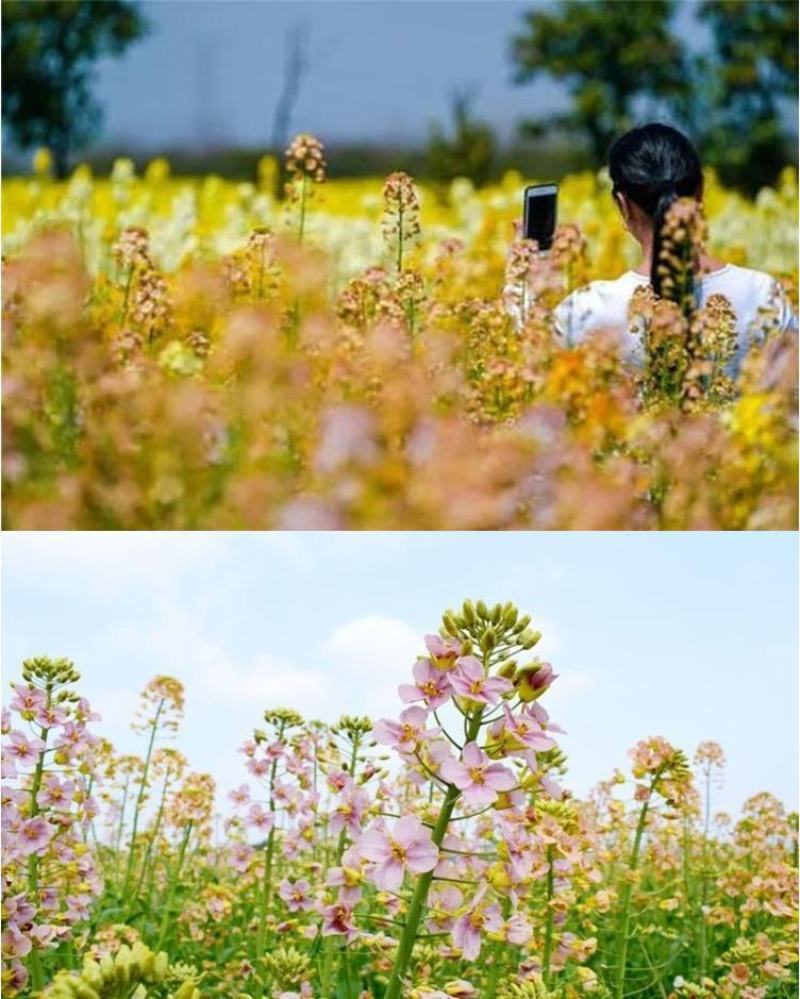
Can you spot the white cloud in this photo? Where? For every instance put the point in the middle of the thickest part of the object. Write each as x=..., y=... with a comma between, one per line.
x=373, y=643
x=269, y=683
x=107, y=561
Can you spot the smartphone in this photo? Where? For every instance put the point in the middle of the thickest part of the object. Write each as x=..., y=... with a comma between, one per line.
x=539, y=214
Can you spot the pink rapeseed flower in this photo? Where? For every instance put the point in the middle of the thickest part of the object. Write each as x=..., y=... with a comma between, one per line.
x=262, y=820
x=27, y=700
x=432, y=685
x=443, y=651
x=350, y=811
x=240, y=796
x=22, y=749
x=408, y=846
x=54, y=794
x=476, y=777
x=470, y=680
x=34, y=835
x=337, y=919
x=406, y=733
x=240, y=856
x=468, y=928
x=520, y=732
x=297, y=895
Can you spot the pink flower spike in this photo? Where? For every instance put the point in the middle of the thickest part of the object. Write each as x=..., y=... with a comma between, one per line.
x=470, y=680
x=409, y=846
x=432, y=685
x=477, y=778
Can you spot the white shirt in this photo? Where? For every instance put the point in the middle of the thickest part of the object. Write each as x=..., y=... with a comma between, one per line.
x=604, y=304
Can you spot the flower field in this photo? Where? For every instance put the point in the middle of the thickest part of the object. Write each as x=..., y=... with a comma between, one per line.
x=199, y=354
x=428, y=854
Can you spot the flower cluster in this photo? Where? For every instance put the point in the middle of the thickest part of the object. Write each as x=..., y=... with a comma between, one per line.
x=188, y=355
x=50, y=878
x=431, y=853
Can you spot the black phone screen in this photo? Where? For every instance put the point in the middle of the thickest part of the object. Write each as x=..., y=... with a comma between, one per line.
x=539, y=218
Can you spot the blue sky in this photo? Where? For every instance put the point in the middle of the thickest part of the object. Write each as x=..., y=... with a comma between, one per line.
x=378, y=70
x=690, y=636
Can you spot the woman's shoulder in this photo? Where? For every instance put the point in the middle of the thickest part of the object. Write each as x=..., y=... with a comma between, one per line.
x=751, y=292
x=744, y=282
x=614, y=288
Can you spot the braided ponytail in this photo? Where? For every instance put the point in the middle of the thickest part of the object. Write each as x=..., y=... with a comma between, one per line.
x=654, y=165
x=665, y=200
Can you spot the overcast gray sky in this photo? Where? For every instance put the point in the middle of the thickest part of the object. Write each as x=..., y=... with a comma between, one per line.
x=211, y=69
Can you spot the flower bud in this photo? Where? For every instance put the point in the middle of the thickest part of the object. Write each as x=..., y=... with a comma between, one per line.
x=188, y=990
x=508, y=669
x=488, y=639
x=510, y=614
x=469, y=612
x=450, y=625
x=483, y=610
x=498, y=878
x=533, y=680
x=495, y=614
x=160, y=967
x=523, y=622
x=529, y=638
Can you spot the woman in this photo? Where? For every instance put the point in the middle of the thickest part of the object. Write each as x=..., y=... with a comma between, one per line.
x=650, y=167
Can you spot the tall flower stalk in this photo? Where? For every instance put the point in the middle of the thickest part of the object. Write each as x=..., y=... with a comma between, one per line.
x=160, y=710
x=667, y=774
x=468, y=668
x=400, y=222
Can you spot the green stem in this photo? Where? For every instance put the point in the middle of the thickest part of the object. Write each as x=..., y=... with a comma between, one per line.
x=35, y=962
x=418, y=899
x=153, y=838
x=140, y=800
x=128, y=284
x=497, y=953
x=622, y=942
x=399, y=238
x=266, y=884
x=173, y=882
x=548, y=933
x=302, y=209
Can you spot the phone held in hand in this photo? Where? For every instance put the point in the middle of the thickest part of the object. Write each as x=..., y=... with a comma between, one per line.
x=539, y=214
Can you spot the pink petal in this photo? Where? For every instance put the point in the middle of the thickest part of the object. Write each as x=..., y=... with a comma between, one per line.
x=388, y=874
x=407, y=830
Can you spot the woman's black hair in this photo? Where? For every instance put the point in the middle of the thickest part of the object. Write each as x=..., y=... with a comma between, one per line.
x=653, y=165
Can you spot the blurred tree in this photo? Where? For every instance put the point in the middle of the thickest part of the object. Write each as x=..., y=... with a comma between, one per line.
x=49, y=48
x=471, y=150
x=740, y=86
x=609, y=53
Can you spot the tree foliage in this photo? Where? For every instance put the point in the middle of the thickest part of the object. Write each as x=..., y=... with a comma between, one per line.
x=49, y=50
x=608, y=54
x=469, y=152
x=620, y=59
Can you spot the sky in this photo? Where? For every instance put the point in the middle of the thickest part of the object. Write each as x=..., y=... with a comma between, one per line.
x=211, y=69
x=690, y=636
